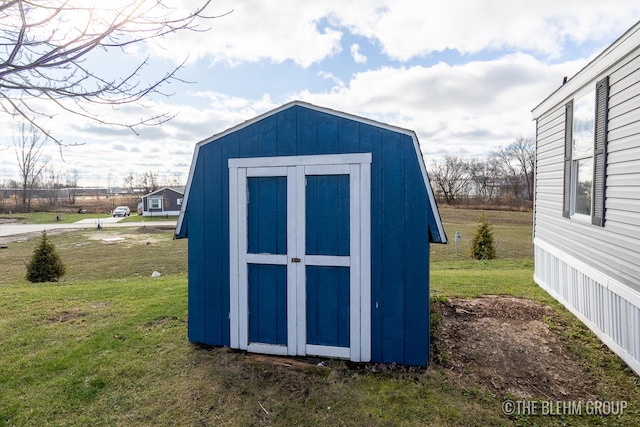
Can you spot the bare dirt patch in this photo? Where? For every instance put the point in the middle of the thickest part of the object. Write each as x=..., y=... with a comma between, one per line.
x=506, y=345
x=163, y=322
x=126, y=238
x=11, y=219
x=66, y=316
x=153, y=230
x=74, y=314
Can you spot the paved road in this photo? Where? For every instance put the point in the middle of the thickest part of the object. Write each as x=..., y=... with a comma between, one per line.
x=107, y=222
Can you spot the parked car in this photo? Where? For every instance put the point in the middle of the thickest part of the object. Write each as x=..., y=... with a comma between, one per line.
x=121, y=211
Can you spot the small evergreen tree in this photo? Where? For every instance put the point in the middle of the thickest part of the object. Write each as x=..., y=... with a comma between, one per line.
x=482, y=246
x=45, y=264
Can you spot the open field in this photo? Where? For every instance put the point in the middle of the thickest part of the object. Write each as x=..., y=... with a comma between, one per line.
x=107, y=346
x=457, y=275
x=107, y=253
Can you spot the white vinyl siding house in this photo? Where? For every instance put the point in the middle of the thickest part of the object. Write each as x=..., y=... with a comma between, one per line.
x=587, y=195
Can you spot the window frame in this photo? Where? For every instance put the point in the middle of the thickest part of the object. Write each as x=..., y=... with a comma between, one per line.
x=598, y=154
x=574, y=189
x=586, y=98
x=152, y=204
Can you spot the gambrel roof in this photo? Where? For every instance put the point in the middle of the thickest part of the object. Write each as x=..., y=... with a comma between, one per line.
x=436, y=229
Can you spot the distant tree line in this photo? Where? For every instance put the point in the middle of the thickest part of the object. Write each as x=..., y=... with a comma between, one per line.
x=49, y=189
x=52, y=189
x=504, y=178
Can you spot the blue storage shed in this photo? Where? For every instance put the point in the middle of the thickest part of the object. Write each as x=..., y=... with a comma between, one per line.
x=309, y=233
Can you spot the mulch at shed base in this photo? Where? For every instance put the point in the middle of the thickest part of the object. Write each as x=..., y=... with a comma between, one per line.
x=506, y=345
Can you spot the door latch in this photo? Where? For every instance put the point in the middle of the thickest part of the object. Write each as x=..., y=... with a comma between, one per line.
x=295, y=259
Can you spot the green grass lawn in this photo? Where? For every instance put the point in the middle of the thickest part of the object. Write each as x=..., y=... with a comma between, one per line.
x=140, y=218
x=107, y=346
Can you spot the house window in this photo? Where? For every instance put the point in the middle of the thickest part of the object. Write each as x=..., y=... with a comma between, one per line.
x=584, y=118
x=585, y=155
x=179, y=201
x=156, y=203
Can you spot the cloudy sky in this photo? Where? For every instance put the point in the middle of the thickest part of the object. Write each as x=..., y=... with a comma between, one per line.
x=463, y=74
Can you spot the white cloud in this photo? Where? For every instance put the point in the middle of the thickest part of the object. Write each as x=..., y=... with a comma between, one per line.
x=467, y=109
x=258, y=30
x=277, y=31
x=357, y=56
x=414, y=28
x=331, y=76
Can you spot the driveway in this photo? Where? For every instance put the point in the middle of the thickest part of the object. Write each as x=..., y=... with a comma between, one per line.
x=102, y=221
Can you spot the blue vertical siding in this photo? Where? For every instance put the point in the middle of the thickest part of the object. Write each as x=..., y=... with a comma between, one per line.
x=372, y=142
x=400, y=224
x=196, y=257
x=286, y=139
x=229, y=150
x=214, y=328
x=393, y=249
x=416, y=253
x=349, y=136
x=307, y=132
x=327, y=134
x=267, y=133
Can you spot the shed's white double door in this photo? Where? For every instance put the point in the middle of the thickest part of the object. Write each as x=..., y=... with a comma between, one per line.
x=300, y=255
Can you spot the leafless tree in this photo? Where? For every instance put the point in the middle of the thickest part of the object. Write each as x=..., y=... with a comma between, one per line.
x=516, y=162
x=45, y=47
x=524, y=152
x=141, y=184
x=52, y=185
x=175, y=180
x=3, y=186
x=71, y=184
x=148, y=182
x=485, y=176
x=451, y=177
x=31, y=161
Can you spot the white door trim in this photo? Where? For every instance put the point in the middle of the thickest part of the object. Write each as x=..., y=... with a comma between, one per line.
x=296, y=168
x=322, y=159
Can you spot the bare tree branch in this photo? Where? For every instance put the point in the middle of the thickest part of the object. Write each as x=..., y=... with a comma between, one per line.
x=46, y=47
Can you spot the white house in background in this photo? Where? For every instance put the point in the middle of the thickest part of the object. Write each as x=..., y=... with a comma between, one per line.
x=587, y=195
x=166, y=201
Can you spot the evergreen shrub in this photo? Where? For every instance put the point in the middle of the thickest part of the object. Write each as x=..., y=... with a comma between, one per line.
x=45, y=264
